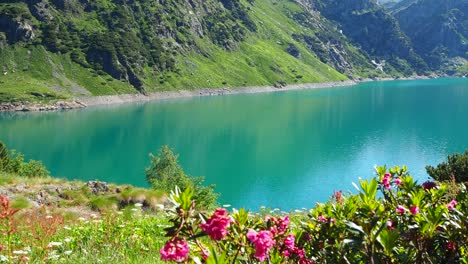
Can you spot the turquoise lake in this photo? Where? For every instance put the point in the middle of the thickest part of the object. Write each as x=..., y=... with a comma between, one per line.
x=283, y=150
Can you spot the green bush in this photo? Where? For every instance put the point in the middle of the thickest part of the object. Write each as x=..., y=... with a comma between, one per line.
x=13, y=162
x=392, y=219
x=456, y=166
x=165, y=174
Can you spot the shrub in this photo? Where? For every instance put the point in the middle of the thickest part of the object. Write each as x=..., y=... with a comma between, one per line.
x=13, y=162
x=165, y=174
x=391, y=220
x=456, y=166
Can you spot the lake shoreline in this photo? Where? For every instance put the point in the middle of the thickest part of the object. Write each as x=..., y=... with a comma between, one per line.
x=165, y=95
x=83, y=102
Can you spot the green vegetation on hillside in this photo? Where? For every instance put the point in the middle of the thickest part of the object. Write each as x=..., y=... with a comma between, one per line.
x=78, y=48
x=455, y=168
x=438, y=31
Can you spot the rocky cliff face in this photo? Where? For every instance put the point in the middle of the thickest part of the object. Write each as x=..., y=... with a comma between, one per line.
x=16, y=26
x=438, y=31
x=374, y=30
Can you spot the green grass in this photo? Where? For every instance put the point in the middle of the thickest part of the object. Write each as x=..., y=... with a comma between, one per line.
x=34, y=74
x=260, y=59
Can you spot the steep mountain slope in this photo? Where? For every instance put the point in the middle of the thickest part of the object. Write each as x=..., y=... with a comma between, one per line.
x=438, y=30
x=66, y=48
x=62, y=48
x=375, y=31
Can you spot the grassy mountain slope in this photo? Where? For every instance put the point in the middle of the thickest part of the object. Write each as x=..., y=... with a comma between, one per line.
x=55, y=49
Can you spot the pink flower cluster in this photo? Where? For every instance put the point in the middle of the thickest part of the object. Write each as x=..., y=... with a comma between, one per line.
x=216, y=226
x=175, y=249
x=401, y=209
x=323, y=219
x=278, y=225
x=386, y=181
x=450, y=246
x=263, y=241
x=398, y=181
x=451, y=205
x=290, y=248
x=390, y=225
x=414, y=210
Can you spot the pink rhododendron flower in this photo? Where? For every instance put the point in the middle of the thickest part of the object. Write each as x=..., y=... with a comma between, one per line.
x=301, y=254
x=321, y=218
x=216, y=226
x=414, y=210
x=386, y=181
x=451, y=205
x=390, y=225
x=400, y=209
x=289, y=241
x=282, y=224
x=450, y=246
x=263, y=241
x=398, y=181
x=175, y=249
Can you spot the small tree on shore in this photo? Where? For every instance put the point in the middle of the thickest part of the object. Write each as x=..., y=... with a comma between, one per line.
x=165, y=173
x=456, y=166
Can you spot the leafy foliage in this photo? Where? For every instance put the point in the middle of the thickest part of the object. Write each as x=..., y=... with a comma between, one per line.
x=391, y=220
x=13, y=162
x=165, y=174
x=456, y=166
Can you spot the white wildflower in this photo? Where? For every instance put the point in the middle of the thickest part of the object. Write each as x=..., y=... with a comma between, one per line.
x=3, y=258
x=138, y=204
x=48, y=217
x=20, y=252
x=68, y=252
x=55, y=244
x=82, y=219
x=67, y=228
x=68, y=240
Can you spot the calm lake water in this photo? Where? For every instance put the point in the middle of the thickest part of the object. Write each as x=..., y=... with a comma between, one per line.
x=286, y=150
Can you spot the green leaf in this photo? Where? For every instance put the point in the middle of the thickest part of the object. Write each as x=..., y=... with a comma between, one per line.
x=353, y=227
x=214, y=258
x=388, y=240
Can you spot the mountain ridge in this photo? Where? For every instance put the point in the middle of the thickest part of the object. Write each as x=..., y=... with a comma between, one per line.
x=55, y=49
